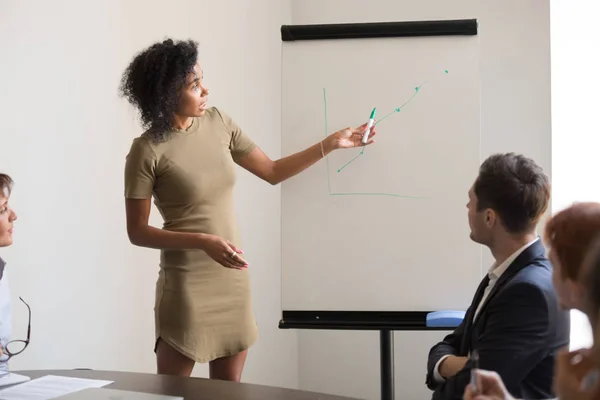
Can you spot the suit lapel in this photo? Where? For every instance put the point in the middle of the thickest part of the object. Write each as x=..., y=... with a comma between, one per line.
x=469, y=316
x=531, y=253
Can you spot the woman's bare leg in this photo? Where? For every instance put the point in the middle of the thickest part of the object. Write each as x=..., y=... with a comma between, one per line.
x=171, y=362
x=228, y=368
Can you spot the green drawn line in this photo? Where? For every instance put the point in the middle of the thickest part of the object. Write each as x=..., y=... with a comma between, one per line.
x=355, y=157
x=390, y=114
x=378, y=121
x=417, y=89
x=403, y=105
x=362, y=152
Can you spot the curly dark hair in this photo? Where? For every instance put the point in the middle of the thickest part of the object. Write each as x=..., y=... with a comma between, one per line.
x=153, y=80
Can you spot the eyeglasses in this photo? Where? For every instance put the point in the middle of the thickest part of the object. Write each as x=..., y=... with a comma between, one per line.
x=16, y=347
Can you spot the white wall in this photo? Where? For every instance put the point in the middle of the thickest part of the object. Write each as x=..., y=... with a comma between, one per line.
x=515, y=73
x=64, y=136
x=575, y=124
x=65, y=133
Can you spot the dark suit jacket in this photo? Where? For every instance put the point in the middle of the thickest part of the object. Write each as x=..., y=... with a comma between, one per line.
x=517, y=332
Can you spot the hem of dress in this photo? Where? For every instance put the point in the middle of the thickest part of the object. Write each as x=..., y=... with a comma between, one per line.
x=203, y=360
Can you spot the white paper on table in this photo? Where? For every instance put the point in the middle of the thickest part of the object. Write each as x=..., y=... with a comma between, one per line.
x=49, y=387
x=12, y=379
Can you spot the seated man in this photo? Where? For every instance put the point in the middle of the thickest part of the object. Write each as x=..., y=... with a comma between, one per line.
x=573, y=239
x=514, y=322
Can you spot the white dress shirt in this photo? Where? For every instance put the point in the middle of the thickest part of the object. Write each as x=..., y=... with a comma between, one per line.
x=5, y=314
x=494, y=273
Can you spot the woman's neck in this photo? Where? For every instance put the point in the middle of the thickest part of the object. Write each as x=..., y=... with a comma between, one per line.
x=182, y=123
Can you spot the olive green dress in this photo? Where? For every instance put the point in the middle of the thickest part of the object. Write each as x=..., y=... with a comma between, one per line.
x=202, y=309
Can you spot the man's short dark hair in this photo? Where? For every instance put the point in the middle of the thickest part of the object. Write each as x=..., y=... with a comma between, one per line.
x=516, y=188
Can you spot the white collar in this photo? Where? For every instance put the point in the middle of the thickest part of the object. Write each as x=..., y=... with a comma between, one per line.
x=496, y=271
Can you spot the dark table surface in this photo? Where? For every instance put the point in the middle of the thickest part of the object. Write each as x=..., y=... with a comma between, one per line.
x=188, y=388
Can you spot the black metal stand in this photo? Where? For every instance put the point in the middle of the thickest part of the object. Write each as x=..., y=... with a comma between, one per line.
x=386, y=322
x=386, y=346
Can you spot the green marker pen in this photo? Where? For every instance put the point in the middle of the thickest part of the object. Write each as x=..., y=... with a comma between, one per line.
x=369, y=126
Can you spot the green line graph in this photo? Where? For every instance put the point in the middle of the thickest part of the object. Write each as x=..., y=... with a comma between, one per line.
x=396, y=110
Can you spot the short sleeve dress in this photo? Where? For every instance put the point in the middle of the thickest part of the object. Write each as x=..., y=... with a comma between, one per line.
x=202, y=309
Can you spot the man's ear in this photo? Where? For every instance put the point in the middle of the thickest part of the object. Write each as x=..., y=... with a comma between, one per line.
x=490, y=217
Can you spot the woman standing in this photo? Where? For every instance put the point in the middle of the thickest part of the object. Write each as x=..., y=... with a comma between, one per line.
x=186, y=160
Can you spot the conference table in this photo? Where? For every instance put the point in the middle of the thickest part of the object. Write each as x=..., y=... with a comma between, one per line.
x=188, y=388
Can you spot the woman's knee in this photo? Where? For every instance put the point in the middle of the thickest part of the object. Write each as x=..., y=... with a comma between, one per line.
x=228, y=368
x=169, y=361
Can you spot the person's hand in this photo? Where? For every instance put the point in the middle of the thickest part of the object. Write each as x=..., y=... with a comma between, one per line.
x=350, y=137
x=223, y=252
x=571, y=369
x=491, y=387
